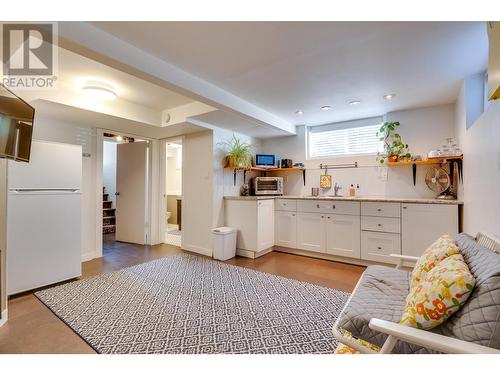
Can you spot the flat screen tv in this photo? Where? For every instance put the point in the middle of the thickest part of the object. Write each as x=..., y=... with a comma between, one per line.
x=16, y=126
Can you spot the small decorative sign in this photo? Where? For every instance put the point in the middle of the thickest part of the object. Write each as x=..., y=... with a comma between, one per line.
x=325, y=181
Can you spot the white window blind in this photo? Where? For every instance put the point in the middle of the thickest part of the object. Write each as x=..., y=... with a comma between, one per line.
x=345, y=138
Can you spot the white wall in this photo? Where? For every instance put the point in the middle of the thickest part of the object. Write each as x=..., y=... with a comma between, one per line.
x=3, y=228
x=109, y=169
x=423, y=129
x=174, y=174
x=481, y=146
x=197, y=202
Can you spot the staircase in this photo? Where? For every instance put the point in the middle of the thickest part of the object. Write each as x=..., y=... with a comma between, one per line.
x=108, y=214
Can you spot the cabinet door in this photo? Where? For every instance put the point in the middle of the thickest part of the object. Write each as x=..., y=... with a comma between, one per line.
x=311, y=233
x=378, y=246
x=265, y=224
x=422, y=224
x=343, y=235
x=286, y=229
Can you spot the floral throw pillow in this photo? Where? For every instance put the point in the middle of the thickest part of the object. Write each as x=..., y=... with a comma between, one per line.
x=442, y=292
x=441, y=249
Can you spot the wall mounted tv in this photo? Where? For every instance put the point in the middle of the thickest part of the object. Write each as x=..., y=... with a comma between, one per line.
x=16, y=126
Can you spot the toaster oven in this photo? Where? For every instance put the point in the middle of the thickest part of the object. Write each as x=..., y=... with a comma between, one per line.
x=268, y=185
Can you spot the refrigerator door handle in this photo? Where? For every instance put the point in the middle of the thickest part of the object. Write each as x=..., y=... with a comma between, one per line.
x=43, y=190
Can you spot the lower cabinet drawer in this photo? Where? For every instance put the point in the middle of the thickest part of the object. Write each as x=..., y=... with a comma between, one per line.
x=377, y=246
x=381, y=224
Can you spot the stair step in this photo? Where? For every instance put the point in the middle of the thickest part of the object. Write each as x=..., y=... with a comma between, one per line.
x=109, y=217
x=108, y=229
x=107, y=204
x=110, y=221
x=105, y=196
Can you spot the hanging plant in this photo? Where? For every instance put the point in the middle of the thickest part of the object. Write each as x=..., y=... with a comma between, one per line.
x=238, y=153
x=394, y=148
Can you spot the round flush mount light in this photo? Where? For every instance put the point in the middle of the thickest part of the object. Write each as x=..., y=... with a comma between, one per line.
x=355, y=102
x=326, y=108
x=389, y=96
x=299, y=112
x=99, y=90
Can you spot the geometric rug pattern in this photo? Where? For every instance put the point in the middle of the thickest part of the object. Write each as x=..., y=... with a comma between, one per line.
x=191, y=304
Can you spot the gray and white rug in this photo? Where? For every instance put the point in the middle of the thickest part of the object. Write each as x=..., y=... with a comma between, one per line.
x=191, y=304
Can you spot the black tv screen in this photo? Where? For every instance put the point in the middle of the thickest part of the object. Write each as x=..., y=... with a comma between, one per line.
x=16, y=126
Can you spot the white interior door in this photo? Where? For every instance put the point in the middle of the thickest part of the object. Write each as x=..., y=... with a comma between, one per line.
x=131, y=182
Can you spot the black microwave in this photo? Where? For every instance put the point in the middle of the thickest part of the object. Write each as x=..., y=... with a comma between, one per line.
x=265, y=161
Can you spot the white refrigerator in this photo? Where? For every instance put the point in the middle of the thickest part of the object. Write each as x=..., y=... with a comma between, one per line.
x=44, y=217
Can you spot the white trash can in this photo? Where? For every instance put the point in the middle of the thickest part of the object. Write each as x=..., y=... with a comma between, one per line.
x=224, y=242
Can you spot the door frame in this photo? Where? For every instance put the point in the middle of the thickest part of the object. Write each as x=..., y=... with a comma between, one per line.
x=162, y=193
x=150, y=216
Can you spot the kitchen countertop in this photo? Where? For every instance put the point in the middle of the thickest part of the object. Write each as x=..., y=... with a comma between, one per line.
x=354, y=199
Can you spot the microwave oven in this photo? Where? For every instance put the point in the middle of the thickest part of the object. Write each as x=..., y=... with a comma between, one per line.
x=265, y=161
x=268, y=185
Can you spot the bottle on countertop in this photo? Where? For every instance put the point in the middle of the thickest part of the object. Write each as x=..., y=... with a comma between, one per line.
x=357, y=189
x=352, y=191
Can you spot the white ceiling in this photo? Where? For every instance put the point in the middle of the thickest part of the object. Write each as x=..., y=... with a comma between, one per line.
x=75, y=70
x=285, y=66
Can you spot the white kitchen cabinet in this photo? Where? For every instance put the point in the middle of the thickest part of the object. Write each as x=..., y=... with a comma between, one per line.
x=311, y=229
x=265, y=224
x=378, y=246
x=254, y=220
x=422, y=224
x=343, y=235
x=286, y=229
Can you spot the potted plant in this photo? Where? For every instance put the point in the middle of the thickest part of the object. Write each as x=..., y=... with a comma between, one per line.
x=394, y=148
x=238, y=153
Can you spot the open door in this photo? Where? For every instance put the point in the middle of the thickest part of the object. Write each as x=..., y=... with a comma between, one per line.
x=131, y=187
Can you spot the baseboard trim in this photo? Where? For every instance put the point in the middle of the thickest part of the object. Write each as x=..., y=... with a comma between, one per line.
x=197, y=249
x=335, y=258
x=88, y=256
x=252, y=254
x=5, y=316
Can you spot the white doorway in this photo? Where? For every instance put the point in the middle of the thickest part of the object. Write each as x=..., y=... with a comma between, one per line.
x=125, y=190
x=173, y=192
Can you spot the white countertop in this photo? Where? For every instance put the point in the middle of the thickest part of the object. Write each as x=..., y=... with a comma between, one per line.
x=354, y=199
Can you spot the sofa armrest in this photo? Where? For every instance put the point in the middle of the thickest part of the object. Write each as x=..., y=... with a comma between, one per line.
x=428, y=339
x=403, y=258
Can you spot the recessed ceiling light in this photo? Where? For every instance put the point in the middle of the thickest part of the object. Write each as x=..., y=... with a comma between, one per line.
x=119, y=138
x=355, y=102
x=299, y=112
x=99, y=90
x=389, y=96
x=326, y=108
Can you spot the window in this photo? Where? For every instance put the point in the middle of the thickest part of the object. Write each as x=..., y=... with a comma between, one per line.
x=356, y=137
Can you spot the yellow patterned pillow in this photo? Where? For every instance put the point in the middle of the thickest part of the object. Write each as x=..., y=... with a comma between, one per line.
x=442, y=292
x=344, y=349
x=442, y=248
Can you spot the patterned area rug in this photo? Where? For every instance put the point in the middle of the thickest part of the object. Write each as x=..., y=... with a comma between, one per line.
x=191, y=304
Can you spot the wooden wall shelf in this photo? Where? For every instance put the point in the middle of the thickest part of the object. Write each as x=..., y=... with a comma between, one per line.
x=431, y=161
x=265, y=170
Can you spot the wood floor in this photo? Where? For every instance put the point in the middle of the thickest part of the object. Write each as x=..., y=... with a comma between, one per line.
x=33, y=328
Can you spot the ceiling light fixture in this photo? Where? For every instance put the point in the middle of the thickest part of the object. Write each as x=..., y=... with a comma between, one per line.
x=99, y=90
x=119, y=138
x=326, y=108
x=299, y=112
x=389, y=96
x=355, y=102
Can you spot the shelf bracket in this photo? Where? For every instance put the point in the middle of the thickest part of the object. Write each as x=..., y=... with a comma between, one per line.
x=414, y=168
x=234, y=176
x=304, y=176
